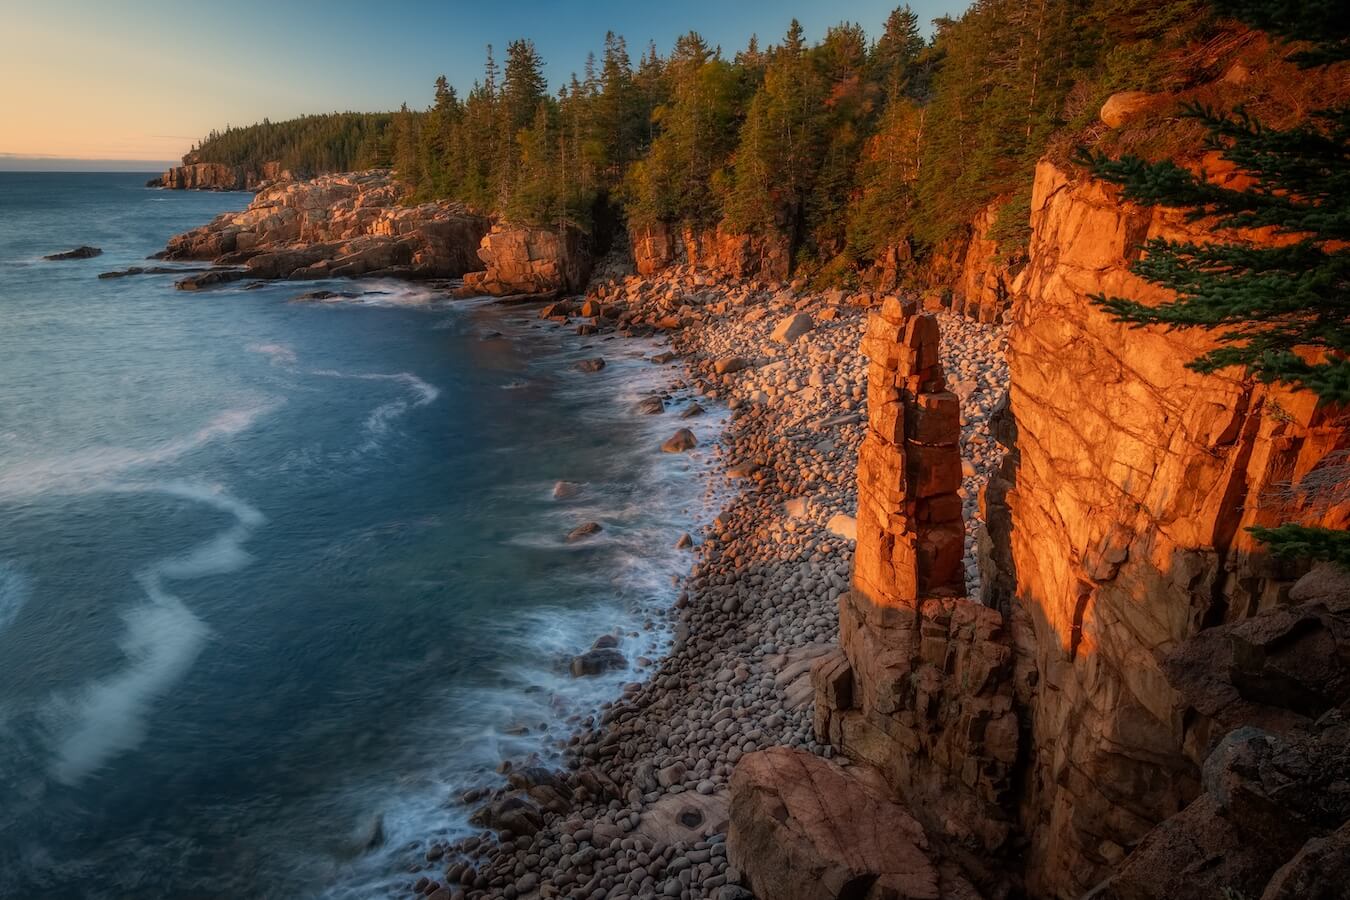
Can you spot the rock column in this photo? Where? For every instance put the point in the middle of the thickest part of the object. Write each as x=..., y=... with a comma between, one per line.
x=921, y=687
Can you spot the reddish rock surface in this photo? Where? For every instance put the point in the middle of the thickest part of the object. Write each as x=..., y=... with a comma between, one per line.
x=339, y=226
x=525, y=260
x=220, y=177
x=802, y=828
x=1080, y=726
x=661, y=246
x=1118, y=524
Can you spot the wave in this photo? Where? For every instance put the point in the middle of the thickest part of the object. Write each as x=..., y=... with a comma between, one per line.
x=91, y=470
x=162, y=640
x=280, y=354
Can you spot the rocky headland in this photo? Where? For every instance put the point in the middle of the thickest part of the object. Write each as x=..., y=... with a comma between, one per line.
x=981, y=619
x=200, y=176
x=334, y=226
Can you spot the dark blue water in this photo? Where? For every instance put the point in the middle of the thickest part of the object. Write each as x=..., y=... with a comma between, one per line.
x=271, y=571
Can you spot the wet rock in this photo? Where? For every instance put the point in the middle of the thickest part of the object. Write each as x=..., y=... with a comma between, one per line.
x=691, y=410
x=210, y=278
x=591, y=365
x=585, y=530
x=651, y=406
x=566, y=490
x=680, y=441
x=77, y=253
x=597, y=662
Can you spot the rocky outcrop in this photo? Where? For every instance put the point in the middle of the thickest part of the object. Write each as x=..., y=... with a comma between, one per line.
x=802, y=828
x=1117, y=528
x=661, y=246
x=347, y=225
x=1268, y=699
x=220, y=177
x=531, y=260
x=922, y=687
x=1145, y=703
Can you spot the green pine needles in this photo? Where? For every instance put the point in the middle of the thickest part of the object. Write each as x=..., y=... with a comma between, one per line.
x=1283, y=312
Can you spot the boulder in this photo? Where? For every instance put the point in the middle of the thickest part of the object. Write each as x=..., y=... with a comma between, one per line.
x=680, y=441
x=802, y=828
x=597, y=662
x=594, y=364
x=565, y=490
x=788, y=330
x=1123, y=106
x=651, y=406
x=730, y=364
x=581, y=532
x=843, y=526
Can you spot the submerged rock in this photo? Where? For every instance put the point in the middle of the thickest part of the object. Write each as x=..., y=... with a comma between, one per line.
x=82, y=252
x=210, y=278
x=566, y=490
x=591, y=365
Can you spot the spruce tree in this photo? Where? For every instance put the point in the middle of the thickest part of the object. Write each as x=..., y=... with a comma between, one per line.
x=1280, y=312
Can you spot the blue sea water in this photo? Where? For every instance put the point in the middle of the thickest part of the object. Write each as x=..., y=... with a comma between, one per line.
x=272, y=572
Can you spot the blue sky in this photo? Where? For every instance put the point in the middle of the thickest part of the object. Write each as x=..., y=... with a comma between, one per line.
x=142, y=79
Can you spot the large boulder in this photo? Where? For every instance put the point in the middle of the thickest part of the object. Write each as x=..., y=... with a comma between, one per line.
x=788, y=330
x=802, y=828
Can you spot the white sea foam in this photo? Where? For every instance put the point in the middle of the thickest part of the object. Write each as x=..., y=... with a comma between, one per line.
x=91, y=470
x=162, y=639
x=279, y=354
x=108, y=717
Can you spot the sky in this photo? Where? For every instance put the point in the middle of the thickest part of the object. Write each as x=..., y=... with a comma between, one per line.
x=131, y=84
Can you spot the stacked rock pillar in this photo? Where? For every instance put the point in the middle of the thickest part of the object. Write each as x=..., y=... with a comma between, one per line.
x=921, y=687
x=910, y=532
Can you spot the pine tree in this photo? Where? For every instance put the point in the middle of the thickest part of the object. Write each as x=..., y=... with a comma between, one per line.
x=1281, y=312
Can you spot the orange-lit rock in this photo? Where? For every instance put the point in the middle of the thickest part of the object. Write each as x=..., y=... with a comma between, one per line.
x=1118, y=523
x=524, y=260
x=339, y=225
x=661, y=246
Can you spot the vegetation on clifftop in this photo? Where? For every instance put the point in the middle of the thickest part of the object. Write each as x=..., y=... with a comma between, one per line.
x=331, y=142
x=848, y=146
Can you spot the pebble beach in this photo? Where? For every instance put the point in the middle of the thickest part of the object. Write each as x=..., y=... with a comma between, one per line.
x=640, y=809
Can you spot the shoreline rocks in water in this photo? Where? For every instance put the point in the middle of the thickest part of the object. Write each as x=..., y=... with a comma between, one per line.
x=647, y=785
x=82, y=252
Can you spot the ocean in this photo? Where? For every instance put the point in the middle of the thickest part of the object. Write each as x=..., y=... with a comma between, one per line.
x=280, y=579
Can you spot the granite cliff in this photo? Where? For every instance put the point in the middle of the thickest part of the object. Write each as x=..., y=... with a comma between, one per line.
x=1142, y=703
x=220, y=177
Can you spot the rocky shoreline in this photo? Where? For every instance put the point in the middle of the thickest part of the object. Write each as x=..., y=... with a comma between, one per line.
x=642, y=807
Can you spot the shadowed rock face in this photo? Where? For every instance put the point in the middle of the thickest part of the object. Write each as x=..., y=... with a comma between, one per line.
x=1117, y=528
x=1146, y=704
x=339, y=226
x=802, y=828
